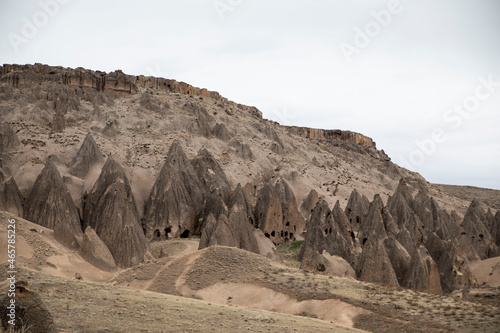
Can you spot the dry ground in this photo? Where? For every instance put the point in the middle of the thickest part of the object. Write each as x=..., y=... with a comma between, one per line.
x=231, y=290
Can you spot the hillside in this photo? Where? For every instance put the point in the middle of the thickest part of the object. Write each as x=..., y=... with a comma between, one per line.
x=149, y=188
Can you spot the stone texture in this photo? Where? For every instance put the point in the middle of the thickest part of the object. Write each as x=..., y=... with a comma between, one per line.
x=356, y=209
x=111, y=211
x=309, y=202
x=151, y=103
x=58, y=122
x=242, y=149
x=374, y=264
x=8, y=138
x=269, y=214
x=328, y=235
x=88, y=155
x=234, y=230
x=477, y=233
x=423, y=274
x=332, y=135
x=399, y=257
x=175, y=199
x=495, y=228
x=50, y=205
x=31, y=313
x=211, y=175
x=294, y=223
x=11, y=199
x=221, y=132
x=217, y=232
x=373, y=223
x=96, y=252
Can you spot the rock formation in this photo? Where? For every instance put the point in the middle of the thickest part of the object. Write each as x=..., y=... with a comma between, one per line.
x=269, y=214
x=374, y=264
x=423, y=273
x=399, y=257
x=31, y=313
x=50, y=205
x=294, y=223
x=478, y=234
x=309, y=203
x=315, y=242
x=495, y=228
x=116, y=82
x=356, y=209
x=8, y=138
x=233, y=230
x=58, y=122
x=221, y=132
x=373, y=223
x=327, y=233
x=111, y=211
x=88, y=155
x=242, y=149
x=217, y=232
x=211, y=175
x=11, y=199
x=332, y=135
x=96, y=252
x=175, y=200
x=411, y=242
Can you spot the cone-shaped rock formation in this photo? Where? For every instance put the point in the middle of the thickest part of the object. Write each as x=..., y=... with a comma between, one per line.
x=86, y=157
x=50, y=205
x=111, y=211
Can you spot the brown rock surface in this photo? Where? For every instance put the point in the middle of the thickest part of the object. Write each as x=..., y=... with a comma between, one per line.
x=478, y=234
x=374, y=264
x=8, y=138
x=423, y=273
x=175, y=199
x=11, y=199
x=111, y=211
x=269, y=214
x=96, y=252
x=88, y=155
x=294, y=223
x=309, y=202
x=31, y=314
x=50, y=205
x=357, y=207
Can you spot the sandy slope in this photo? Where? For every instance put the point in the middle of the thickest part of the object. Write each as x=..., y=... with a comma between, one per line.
x=251, y=292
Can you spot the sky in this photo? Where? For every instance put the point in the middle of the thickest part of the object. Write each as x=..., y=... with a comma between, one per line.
x=422, y=78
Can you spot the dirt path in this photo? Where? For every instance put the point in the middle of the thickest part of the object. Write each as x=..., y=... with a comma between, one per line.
x=191, y=246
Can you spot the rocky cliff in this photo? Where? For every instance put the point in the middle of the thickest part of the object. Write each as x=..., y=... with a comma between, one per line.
x=117, y=82
x=20, y=76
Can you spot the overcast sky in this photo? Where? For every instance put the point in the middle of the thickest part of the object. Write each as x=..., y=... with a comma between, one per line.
x=422, y=78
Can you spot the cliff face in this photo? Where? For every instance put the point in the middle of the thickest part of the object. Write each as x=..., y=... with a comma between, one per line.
x=333, y=135
x=20, y=76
